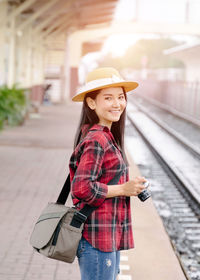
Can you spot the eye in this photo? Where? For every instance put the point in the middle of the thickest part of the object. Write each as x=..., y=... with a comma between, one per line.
x=108, y=98
x=121, y=97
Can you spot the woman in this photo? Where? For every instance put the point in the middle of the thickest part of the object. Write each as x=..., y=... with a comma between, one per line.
x=99, y=160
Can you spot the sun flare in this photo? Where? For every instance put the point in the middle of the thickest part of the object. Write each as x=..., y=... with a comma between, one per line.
x=118, y=44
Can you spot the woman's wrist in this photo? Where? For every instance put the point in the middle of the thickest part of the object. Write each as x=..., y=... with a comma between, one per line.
x=122, y=193
x=115, y=190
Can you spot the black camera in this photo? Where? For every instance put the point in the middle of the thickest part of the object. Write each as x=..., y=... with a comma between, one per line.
x=145, y=194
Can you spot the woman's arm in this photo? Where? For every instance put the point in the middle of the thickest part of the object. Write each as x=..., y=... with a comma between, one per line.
x=85, y=185
x=130, y=188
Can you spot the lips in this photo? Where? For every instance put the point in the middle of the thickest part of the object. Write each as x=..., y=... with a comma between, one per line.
x=115, y=111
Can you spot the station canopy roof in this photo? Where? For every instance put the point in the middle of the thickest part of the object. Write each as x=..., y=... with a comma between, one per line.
x=69, y=15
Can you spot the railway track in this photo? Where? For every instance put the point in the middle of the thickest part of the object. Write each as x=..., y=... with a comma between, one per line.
x=164, y=107
x=183, y=126
x=172, y=166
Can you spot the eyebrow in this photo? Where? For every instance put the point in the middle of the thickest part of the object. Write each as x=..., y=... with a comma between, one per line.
x=109, y=94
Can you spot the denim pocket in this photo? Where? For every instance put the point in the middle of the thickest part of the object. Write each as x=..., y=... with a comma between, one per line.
x=81, y=247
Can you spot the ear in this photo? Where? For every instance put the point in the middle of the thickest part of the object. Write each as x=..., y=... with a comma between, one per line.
x=91, y=103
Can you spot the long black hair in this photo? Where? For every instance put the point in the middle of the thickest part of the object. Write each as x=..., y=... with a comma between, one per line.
x=89, y=116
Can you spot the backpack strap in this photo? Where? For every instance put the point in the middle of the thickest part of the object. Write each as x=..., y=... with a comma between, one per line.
x=82, y=215
x=62, y=198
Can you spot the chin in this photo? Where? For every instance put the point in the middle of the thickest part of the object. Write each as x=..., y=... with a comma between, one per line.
x=115, y=120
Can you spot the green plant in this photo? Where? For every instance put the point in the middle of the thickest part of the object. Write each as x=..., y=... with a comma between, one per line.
x=12, y=105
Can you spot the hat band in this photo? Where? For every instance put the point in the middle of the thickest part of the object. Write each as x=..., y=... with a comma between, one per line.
x=99, y=83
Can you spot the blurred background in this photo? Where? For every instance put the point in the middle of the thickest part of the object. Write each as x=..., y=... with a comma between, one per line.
x=47, y=47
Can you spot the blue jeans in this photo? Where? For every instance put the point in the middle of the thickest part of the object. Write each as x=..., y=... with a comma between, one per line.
x=95, y=264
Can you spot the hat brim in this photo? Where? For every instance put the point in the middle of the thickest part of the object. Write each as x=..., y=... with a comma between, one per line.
x=128, y=86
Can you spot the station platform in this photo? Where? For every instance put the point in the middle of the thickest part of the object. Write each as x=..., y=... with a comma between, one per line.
x=33, y=167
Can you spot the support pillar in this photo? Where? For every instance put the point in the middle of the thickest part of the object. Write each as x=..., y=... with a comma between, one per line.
x=65, y=75
x=22, y=61
x=3, y=27
x=38, y=63
x=29, y=64
x=35, y=66
x=74, y=81
x=12, y=54
x=41, y=57
x=72, y=59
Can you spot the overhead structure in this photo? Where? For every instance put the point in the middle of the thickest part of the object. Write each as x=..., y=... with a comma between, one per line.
x=44, y=40
x=30, y=29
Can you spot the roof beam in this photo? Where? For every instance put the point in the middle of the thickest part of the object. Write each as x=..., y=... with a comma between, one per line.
x=92, y=2
x=21, y=8
x=100, y=20
x=44, y=8
x=96, y=15
x=63, y=28
x=18, y=10
x=57, y=24
x=57, y=31
x=44, y=23
x=47, y=20
x=94, y=6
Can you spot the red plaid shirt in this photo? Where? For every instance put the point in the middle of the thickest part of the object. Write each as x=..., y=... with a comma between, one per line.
x=94, y=162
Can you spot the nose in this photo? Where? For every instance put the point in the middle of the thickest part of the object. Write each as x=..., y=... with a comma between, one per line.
x=116, y=103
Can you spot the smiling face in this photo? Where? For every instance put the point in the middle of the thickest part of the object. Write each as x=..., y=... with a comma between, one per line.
x=108, y=105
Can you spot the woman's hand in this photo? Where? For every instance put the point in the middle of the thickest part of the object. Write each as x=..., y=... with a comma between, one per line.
x=133, y=187
x=130, y=188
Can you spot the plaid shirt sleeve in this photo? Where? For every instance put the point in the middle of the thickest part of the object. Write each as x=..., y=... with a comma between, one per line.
x=85, y=185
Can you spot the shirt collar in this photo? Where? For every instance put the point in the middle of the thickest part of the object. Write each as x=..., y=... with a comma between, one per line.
x=99, y=127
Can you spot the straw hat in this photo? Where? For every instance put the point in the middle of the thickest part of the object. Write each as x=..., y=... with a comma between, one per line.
x=103, y=78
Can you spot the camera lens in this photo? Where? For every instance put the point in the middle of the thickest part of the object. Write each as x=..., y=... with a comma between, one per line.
x=145, y=194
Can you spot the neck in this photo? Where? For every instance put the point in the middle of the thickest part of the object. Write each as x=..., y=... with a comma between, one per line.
x=107, y=125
